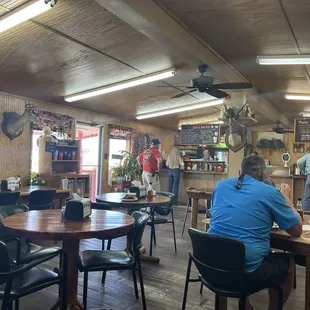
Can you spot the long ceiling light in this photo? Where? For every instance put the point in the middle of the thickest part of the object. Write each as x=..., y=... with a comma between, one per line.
x=283, y=60
x=182, y=109
x=25, y=12
x=123, y=85
x=297, y=97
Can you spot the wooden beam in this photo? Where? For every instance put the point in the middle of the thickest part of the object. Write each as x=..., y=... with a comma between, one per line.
x=151, y=20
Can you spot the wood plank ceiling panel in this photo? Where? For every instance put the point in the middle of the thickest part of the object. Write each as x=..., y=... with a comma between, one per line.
x=241, y=29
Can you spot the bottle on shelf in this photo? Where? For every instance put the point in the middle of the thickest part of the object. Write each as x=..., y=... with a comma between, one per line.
x=299, y=208
x=19, y=182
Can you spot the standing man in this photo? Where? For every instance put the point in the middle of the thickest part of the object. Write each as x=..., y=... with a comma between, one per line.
x=304, y=166
x=150, y=161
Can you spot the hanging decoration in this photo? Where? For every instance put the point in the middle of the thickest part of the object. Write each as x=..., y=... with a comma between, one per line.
x=140, y=143
x=119, y=132
x=58, y=123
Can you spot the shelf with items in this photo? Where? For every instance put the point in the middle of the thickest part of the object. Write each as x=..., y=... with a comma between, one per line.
x=201, y=165
x=63, y=162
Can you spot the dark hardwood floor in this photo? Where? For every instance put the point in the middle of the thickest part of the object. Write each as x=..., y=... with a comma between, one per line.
x=164, y=282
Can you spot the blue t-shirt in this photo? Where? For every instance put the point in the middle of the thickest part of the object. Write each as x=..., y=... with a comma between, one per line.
x=248, y=214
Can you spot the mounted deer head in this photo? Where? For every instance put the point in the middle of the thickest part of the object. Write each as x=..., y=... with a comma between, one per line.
x=13, y=123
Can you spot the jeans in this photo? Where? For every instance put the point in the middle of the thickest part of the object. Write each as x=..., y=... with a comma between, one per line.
x=306, y=201
x=173, y=182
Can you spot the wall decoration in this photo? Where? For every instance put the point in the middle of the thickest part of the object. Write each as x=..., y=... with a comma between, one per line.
x=119, y=132
x=298, y=148
x=58, y=123
x=13, y=123
x=270, y=144
x=140, y=143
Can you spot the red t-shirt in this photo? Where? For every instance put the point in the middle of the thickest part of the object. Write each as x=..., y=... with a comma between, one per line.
x=149, y=158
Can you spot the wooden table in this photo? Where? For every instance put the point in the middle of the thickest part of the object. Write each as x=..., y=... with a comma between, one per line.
x=61, y=194
x=49, y=225
x=196, y=194
x=115, y=201
x=301, y=245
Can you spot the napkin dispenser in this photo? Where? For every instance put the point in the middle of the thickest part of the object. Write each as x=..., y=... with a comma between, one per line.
x=77, y=210
x=139, y=190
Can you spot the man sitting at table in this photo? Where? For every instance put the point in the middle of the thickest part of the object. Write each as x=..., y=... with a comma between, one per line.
x=244, y=209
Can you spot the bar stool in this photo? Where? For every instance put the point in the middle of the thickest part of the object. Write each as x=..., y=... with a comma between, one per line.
x=189, y=209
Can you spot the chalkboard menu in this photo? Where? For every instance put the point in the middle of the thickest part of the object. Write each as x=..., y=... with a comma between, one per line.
x=200, y=134
x=50, y=146
x=302, y=130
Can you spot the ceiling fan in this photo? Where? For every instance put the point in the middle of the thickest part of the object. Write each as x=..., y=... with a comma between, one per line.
x=204, y=84
x=281, y=130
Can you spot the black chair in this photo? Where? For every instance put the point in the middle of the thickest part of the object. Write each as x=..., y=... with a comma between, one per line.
x=220, y=262
x=155, y=220
x=117, y=260
x=107, y=207
x=42, y=199
x=22, y=252
x=189, y=209
x=8, y=198
x=19, y=281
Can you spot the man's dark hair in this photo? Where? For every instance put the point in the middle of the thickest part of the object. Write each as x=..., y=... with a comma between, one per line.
x=253, y=166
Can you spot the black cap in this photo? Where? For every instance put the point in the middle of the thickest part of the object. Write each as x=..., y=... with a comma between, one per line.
x=155, y=142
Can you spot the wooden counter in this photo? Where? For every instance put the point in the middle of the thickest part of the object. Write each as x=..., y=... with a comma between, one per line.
x=189, y=178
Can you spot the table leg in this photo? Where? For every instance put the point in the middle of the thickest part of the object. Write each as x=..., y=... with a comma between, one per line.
x=194, y=213
x=307, y=286
x=71, y=248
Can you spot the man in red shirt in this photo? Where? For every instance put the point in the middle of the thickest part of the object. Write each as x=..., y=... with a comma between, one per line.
x=150, y=162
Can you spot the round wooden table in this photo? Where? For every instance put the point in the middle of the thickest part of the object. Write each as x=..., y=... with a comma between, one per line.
x=50, y=225
x=115, y=201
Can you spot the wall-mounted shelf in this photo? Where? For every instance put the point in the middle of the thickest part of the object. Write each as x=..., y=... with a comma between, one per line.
x=65, y=161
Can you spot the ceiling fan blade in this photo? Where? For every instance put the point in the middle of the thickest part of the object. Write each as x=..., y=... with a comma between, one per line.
x=183, y=94
x=216, y=93
x=172, y=86
x=232, y=86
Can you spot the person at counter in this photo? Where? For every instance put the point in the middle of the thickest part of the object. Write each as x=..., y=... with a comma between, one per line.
x=244, y=209
x=150, y=162
x=174, y=163
x=206, y=156
x=267, y=178
x=303, y=164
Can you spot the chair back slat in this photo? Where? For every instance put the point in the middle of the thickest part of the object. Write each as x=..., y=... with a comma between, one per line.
x=5, y=261
x=167, y=209
x=8, y=198
x=219, y=260
x=134, y=237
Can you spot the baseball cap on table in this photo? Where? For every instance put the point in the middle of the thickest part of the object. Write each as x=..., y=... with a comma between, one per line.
x=155, y=142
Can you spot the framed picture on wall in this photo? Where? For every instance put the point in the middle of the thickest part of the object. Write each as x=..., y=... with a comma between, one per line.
x=298, y=148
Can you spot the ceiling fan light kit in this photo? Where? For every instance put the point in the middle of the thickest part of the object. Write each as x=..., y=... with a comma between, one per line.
x=283, y=60
x=123, y=85
x=200, y=105
x=25, y=12
x=297, y=97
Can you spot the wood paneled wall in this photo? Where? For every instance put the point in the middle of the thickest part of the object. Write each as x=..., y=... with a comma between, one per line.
x=274, y=156
x=15, y=156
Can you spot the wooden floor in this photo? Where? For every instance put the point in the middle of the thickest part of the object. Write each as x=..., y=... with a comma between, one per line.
x=164, y=282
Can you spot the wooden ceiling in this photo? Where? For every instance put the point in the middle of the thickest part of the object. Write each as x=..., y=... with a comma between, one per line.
x=239, y=30
x=79, y=45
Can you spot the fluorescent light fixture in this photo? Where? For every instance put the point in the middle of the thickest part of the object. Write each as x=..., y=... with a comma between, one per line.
x=304, y=114
x=296, y=97
x=123, y=85
x=182, y=109
x=25, y=12
x=217, y=122
x=283, y=60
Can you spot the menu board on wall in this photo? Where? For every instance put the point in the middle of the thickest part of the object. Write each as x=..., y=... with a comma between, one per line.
x=302, y=130
x=200, y=134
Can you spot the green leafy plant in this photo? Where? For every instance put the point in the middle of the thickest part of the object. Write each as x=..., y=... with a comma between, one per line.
x=128, y=168
x=270, y=144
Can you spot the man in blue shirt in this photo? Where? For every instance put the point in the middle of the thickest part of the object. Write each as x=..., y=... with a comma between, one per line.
x=245, y=209
x=304, y=166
